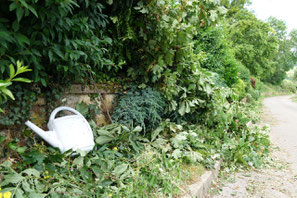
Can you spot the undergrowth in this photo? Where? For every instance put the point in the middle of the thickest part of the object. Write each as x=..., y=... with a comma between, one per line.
x=128, y=163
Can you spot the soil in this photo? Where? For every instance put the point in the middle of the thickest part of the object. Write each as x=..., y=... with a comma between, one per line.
x=279, y=178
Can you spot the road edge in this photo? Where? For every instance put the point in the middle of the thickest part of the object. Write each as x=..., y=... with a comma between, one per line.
x=200, y=188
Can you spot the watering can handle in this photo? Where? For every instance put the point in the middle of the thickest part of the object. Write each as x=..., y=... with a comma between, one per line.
x=63, y=108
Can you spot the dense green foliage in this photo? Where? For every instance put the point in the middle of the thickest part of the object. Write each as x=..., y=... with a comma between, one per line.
x=255, y=44
x=124, y=163
x=13, y=77
x=285, y=58
x=191, y=62
x=60, y=40
x=217, y=53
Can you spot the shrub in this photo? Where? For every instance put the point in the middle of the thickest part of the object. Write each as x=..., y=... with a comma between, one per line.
x=253, y=94
x=140, y=107
x=239, y=89
x=289, y=86
x=244, y=74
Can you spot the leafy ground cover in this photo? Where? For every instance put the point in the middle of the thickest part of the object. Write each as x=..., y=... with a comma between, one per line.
x=129, y=163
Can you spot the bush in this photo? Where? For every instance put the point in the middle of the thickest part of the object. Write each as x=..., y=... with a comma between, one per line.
x=253, y=95
x=289, y=86
x=239, y=89
x=140, y=107
x=244, y=74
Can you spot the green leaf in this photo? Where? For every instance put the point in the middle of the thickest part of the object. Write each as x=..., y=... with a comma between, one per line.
x=19, y=13
x=176, y=153
x=156, y=132
x=32, y=10
x=12, y=6
x=31, y=171
x=43, y=82
x=22, y=80
x=2, y=138
x=12, y=178
x=182, y=109
x=79, y=161
x=137, y=129
x=82, y=108
x=50, y=55
x=5, y=83
x=22, y=39
x=208, y=89
x=37, y=195
x=104, y=133
x=21, y=149
x=15, y=25
x=120, y=169
x=7, y=92
x=103, y=140
x=11, y=71
x=188, y=109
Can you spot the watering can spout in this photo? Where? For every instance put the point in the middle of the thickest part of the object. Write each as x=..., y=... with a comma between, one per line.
x=49, y=136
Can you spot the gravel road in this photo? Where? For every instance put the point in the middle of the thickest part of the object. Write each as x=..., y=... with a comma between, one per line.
x=279, y=180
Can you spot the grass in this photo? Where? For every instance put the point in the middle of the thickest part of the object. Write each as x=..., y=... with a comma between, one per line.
x=192, y=173
x=294, y=98
x=269, y=90
x=195, y=171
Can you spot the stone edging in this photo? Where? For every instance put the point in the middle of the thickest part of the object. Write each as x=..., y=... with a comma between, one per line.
x=200, y=188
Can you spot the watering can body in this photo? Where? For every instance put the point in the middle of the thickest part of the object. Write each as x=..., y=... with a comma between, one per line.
x=67, y=132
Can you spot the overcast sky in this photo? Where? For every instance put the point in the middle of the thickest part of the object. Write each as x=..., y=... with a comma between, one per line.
x=281, y=9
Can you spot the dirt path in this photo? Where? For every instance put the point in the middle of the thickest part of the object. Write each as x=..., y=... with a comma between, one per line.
x=280, y=178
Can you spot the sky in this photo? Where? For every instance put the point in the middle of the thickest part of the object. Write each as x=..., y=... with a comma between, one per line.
x=285, y=10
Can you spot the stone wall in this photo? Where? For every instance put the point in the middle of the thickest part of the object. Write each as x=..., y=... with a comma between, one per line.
x=75, y=95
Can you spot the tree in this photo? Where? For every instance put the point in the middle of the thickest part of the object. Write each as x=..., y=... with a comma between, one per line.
x=255, y=44
x=234, y=6
x=293, y=40
x=285, y=56
x=218, y=54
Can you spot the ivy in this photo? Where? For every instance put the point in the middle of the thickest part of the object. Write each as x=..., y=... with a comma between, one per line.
x=59, y=40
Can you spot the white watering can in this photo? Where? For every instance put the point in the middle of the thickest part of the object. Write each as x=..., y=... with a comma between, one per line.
x=68, y=132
